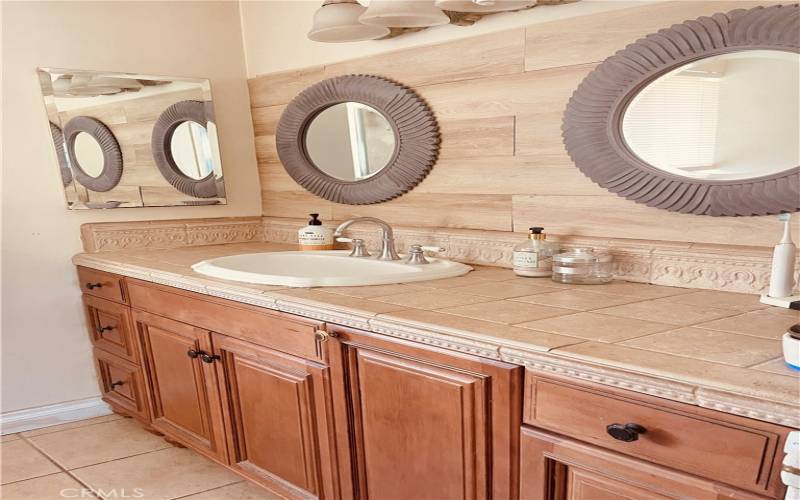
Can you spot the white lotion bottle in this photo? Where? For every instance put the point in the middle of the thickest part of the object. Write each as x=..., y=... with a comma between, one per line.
x=781, y=280
x=315, y=236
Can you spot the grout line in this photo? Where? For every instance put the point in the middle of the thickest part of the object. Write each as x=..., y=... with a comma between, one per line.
x=210, y=489
x=169, y=446
x=32, y=478
x=64, y=430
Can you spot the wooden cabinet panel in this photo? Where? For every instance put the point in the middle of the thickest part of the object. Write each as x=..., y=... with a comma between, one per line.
x=121, y=384
x=556, y=468
x=102, y=284
x=736, y=451
x=423, y=424
x=275, y=412
x=184, y=396
x=110, y=327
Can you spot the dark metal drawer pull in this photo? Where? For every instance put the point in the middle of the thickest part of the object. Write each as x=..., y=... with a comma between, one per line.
x=625, y=432
x=101, y=329
x=193, y=354
x=92, y=286
x=208, y=358
x=117, y=383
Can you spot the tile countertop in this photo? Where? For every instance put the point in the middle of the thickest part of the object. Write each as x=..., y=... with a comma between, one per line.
x=718, y=350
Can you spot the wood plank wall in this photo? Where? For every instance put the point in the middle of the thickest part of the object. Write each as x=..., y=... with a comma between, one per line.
x=499, y=100
x=131, y=121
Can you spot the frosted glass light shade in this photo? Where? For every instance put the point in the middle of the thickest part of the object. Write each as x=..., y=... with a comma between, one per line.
x=483, y=5
x=338, y=22
x=403, y=14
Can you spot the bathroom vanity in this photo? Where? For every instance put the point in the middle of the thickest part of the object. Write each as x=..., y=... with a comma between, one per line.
x=316, y=398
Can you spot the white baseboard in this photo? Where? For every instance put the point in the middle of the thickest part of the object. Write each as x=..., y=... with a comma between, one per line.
x=46, y=416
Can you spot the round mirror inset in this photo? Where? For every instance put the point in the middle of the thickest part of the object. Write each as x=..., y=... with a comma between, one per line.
x=89, y=155
x=350, y=141
x=726, y=117
x=191, y=149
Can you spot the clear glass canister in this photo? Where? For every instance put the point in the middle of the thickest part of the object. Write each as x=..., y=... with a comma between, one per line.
x=582, y=266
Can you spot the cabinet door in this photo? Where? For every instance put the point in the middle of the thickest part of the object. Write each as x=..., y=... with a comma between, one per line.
x=427, y=424
x=557, y=468
x=184, y=397
x=275, y=411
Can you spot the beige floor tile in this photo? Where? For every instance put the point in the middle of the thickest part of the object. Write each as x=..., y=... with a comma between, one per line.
x=72, y=425
x=9, y=437
x=169, y=473
x=506, y=311
x=540, y=281
x=239, y=491
x=98, y=443
x=501, y=289
x=765, y=386
x=578, y=299
x=53, y=486
x=371, y=291
x=432, y=299
x=710, y=345
x=778, y=366
x=640, y=290
x=741, y=302
x=597, y=327
x=486, y=331
x=667, y=312
x=764, y=324
x=21, y=461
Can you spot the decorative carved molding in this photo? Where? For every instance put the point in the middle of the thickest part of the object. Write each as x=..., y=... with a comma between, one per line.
x=592, y=119
x=415, y=129
x=106, y=237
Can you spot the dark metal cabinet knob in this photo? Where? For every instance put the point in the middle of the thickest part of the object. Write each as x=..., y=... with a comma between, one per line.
x=625, y=432
x=193, y=354
x=208, y=358
x=92, y=286
x=117, y=383
x=101, y=329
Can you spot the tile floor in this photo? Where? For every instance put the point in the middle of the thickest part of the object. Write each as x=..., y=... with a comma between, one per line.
x=111, y=457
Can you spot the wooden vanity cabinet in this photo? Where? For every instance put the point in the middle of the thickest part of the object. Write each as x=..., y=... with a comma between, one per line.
x=424, y=423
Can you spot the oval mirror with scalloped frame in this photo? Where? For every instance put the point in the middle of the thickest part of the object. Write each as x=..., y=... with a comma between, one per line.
x=699, y=118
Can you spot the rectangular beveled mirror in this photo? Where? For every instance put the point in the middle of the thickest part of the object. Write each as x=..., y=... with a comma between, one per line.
x=130, y=140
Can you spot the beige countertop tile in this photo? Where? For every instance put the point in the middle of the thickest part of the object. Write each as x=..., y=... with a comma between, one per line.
x=598, y=327
x=672, y=313
x=501, y=289
x=710, y=345
x=763, y=323
x=506, y=311
x=579, y=300
x=636, y=334
x=431, y=299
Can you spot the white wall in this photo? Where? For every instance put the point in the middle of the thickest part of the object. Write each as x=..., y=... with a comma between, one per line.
x=46, y=356
x=275, y=32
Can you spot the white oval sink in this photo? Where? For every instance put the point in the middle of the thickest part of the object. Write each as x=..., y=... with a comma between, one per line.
x=324, y=268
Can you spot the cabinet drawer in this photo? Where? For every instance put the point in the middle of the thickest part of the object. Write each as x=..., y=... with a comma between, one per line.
x=103, y=285
x=276, y=330
x=121, y=384
x=687, y=439
x=110, y=327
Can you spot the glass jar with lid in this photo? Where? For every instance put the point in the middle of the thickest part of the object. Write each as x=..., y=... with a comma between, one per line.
x=582, y=266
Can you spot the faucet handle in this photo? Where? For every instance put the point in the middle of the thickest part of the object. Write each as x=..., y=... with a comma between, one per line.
x=359, y=247
x=416, y=254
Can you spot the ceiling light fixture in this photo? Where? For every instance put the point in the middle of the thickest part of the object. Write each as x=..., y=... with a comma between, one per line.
x=403, y=14
x=338, y=21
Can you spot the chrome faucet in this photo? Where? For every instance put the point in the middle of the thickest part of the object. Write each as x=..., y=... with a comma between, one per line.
x=388, y=251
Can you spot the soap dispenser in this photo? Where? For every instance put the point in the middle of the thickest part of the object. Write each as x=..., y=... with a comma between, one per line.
x=534, y=257
x=315, y=236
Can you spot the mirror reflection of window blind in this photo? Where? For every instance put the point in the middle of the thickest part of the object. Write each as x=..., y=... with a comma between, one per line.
x=675, y=122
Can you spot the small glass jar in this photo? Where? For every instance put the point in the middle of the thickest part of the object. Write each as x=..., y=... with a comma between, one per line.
x=582, y=266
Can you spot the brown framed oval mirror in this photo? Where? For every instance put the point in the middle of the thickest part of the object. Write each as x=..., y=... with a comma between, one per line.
x=357, y=139
x=184, y=150
x=94, y=153
x=698, y=118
